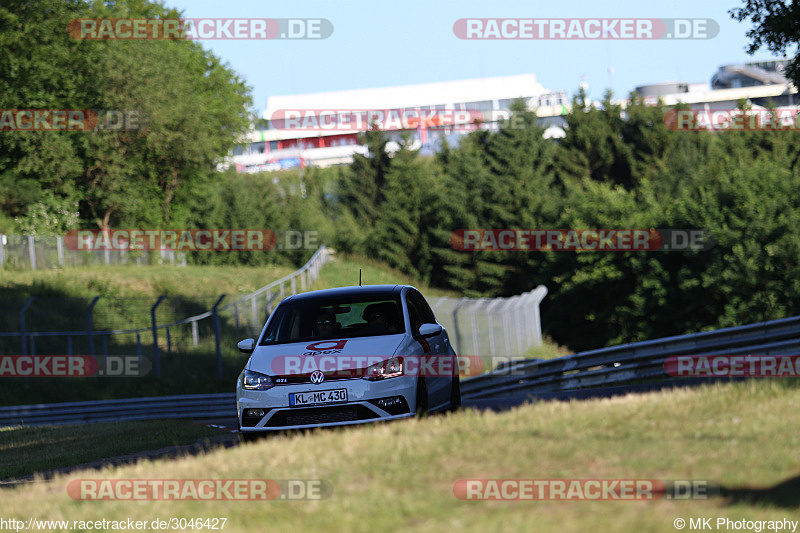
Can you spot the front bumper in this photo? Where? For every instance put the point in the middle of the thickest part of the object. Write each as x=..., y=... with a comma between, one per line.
x=364, y=398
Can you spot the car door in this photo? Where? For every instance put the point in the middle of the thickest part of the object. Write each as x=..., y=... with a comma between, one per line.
x=435, y=349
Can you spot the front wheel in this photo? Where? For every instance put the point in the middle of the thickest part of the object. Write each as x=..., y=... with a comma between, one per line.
x=249, y=437
x=421, y=398
x=455, y=395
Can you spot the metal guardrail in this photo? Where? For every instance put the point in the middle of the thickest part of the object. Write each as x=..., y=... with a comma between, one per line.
x=636, y=361
x=193, y=406
x=596, y=368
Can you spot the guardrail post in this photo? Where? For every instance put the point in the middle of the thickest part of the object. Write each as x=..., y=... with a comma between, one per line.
x=2, y=250
x=169, y=343
x=294, y=285
x=156, y=354
x=90, y=325
x=217, y=335
x=22, y=325
x=236, y=314
x=195, y=333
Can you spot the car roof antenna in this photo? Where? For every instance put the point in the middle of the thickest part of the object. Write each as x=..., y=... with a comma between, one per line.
x=359, y=277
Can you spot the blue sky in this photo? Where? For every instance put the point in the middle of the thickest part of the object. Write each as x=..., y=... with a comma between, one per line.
x=376, y=43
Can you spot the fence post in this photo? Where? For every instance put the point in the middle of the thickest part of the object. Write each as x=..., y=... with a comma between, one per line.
x=474, y=324
x=22, y=325
x=90, y=325
x=455, y=325
x=60, y=249
x=156, y=355
x=217, y=335
x=32, y=252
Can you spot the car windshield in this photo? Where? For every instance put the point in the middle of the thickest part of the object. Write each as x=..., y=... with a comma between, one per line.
x=334, y=319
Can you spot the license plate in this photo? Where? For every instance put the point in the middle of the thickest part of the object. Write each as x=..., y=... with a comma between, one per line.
x=317, y=397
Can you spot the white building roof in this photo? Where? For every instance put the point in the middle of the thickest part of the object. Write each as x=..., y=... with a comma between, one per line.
x=409, y=96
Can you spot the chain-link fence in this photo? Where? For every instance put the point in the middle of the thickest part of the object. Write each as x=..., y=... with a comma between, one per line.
x=103, y=326
x=23, y=252
x=492, y=327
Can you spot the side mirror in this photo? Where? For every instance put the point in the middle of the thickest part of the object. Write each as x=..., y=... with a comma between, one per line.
x=429, y=330
x=247, y=346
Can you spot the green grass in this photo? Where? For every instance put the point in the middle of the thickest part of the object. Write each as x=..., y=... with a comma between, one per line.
x=343, y=272
x=139, y=281
x=26, y=450
x=400, y=476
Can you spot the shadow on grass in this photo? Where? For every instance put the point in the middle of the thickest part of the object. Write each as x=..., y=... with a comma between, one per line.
x=785, y=494
x=188, y=369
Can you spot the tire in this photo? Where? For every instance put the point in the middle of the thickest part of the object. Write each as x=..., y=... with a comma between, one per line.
x=249, y=437
x=421, y=400
x=455, y=395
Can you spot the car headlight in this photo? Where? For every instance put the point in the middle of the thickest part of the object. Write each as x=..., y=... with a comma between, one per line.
x=256, y=381
x=391, y=368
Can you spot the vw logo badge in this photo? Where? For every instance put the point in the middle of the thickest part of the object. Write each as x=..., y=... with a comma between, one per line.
x=317, y=377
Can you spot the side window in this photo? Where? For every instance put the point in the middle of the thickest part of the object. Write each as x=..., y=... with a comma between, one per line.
x=418, y=311
x=414, y=316
x=422, y=306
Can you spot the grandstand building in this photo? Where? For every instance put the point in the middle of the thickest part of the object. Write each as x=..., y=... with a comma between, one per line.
x=281, y=146
x=287, y=144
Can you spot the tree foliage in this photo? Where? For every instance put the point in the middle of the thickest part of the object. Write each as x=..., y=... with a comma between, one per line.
x=192, y=109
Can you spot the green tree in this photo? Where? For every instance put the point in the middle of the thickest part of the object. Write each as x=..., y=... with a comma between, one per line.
x=775, y=26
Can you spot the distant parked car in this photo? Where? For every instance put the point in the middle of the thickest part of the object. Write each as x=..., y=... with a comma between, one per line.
x=349, y=355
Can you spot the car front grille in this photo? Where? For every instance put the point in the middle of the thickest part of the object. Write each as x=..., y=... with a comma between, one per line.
x=321, y=415
x=304, y=379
